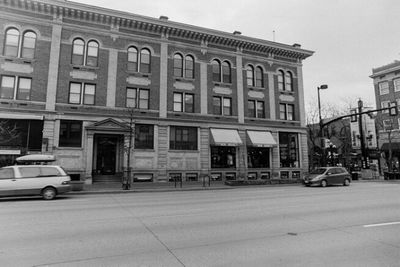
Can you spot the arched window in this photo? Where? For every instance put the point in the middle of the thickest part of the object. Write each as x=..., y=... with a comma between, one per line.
x=189, y=67
x=28, y=45
x=281, y=80
x=226, y=72
x=178, y=65
x=250, y=75
x=144, y=61
x=288, y=81
x=78, y=51
x=132, y=59
x=259, y=77
x=11, y=42
x=216, y=70
x=92, y=54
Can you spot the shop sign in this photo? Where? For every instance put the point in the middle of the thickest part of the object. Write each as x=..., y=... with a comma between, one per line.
x=10, y=152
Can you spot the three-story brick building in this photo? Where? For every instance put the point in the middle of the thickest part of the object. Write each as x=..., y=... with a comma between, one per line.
x=202, y=102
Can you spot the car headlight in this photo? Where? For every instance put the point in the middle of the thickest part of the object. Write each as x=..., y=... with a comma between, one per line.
x=315, y=178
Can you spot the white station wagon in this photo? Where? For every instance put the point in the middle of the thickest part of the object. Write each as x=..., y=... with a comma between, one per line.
x=29, y=180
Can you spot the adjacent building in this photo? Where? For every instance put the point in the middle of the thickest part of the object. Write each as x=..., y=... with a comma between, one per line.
x=387, y=92
x=80, y=82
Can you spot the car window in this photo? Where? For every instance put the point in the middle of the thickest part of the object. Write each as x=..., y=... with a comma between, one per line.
x=49, y=171
x=29, y=172
x=6, y=173
x=318, y=171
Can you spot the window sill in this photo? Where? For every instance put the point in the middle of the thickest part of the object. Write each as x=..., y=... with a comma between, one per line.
x=183, y=151
x=18, y=59
x=82, y=67
x=256, y=88
x=222, y=84
x=287, y=92
x=70, y=147
x=138, y=74
x=183, y=79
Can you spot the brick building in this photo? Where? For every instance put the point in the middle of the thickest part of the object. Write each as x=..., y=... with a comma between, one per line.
x=202, y=101
x=386, y=81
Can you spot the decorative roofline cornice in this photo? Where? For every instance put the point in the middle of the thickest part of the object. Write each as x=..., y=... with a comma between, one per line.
x=60, y=9
x=391, y=67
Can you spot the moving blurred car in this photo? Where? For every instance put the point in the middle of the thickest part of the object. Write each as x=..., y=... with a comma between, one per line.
x=28, y=180
x=324, y=176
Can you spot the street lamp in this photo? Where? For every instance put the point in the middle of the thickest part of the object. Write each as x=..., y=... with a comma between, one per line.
x=321, y=87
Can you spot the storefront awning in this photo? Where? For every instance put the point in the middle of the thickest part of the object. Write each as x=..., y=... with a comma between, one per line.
x=261, y=139
x=14, y=116
x=394, y=145
x=225, y=137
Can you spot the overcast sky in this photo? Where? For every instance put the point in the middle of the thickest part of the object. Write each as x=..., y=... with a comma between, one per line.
x=349, y=37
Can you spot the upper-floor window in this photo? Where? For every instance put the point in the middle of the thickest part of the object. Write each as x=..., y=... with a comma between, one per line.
x=132, y=59
x=137, y=98
x=144, y=136
x=221, y=71
x=385, y=104
x=144, y=60
x=184, y=102
x=396, y=84
x=285, y=81
x=255, y=76
x=286, y=112
x=24, y=47
x=79, y=51
x=256, y=109
x=183, y=66
x=383, y=88
x=15, y=87
x=139, y=61
x=183, y=138
x=82, y=93
x=222, y=106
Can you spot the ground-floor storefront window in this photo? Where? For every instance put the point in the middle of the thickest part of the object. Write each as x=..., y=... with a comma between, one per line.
x=223, y=157
x=289, y=150
x=258, y=157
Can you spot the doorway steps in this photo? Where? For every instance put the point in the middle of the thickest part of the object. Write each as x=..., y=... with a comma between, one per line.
x=115, y=178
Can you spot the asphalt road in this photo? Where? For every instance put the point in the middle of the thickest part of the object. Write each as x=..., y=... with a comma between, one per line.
x=357, y=225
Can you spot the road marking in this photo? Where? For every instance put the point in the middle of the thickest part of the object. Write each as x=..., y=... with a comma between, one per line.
x=381, y=224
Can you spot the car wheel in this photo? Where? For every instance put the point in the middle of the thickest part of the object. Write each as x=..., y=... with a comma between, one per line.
x=49, y=193
x=324, y=183
x=346, y=182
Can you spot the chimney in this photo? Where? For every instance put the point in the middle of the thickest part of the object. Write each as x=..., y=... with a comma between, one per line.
x=164, y=18
x=237, y=33
x=296, y=45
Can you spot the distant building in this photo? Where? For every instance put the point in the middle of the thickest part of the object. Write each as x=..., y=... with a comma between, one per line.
x=203, y=102
x=386, y=81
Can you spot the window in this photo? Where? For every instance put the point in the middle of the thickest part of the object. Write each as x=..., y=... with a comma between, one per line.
x=28, y=45
x=385, y=104
x=223, y=157
x=286, y=112
x=221, y=71
x=6, y=173
x=383, y=88
x=398, y=104
x=255, y=76
x=189, y=67
x=285, y=81
x=258, y=157
x=396, y=84
x=132, y=59
x=12, y=90
x=222, y=106
x=144, y=136
x=137, y=98
x=256, y=109
x=24, y=47
x=178, y=65
x=11, y=42
x=76, y=96
x=183, y=102
x=183, y=138
x=144, y=61
x=70, y=133
x=288, y=150
x=79, y=51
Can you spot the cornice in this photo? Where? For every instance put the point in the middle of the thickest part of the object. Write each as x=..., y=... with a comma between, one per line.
x=116, y=20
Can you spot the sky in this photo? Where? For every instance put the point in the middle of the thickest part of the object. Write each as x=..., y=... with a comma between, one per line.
x=349, y=37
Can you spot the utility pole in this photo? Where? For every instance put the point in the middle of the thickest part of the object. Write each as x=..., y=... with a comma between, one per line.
x=365, y=163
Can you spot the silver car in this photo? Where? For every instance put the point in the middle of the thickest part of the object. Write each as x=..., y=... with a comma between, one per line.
x=324, y=176
x=27, y=180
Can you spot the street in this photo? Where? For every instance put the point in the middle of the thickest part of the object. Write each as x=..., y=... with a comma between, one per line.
x=357, y=225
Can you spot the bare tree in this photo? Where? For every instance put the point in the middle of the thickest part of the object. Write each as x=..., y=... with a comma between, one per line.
x=130, y=122
x=9, y=132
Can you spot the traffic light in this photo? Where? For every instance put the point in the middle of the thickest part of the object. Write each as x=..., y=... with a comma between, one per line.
x=393, y=109
x=353, y=117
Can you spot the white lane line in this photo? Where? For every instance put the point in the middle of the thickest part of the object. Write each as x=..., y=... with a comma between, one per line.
x=381, y=224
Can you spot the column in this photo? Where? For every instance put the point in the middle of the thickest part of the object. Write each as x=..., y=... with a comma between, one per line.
x=112, y=77
x=203, y=89
x=301, y=96
x=54, y=59
x=163, y=79
x=89, y=158
x=271, y=89
x=240, y=98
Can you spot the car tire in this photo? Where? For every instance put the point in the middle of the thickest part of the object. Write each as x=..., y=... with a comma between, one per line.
x=346, y=182
x=49, y=193
x=324, y=183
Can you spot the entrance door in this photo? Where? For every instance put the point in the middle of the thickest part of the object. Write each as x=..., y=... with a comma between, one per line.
x=106, y=155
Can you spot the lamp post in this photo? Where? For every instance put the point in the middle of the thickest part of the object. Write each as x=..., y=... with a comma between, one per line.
x=321, y=87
